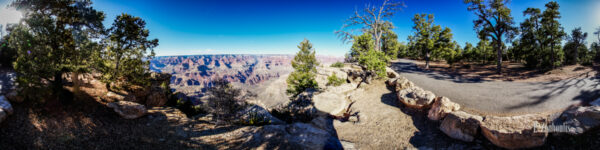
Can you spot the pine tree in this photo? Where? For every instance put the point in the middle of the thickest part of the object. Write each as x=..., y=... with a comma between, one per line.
x=126, y=57
x=553, y=32
x=361, y=44
x=304, y=64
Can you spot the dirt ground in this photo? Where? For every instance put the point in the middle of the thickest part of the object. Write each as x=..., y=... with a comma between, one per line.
x=510, y=71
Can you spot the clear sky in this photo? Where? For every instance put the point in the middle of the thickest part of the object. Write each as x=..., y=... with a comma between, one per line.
x=278, y=26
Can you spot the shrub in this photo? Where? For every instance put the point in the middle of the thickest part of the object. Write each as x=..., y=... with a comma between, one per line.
x=374, y=61
x=304, y=64
x=185, y=105
x=334, y=80
x=223, y=100
x=300, y=109
x=337, y=65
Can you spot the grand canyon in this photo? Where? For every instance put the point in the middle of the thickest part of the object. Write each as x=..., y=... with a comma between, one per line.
x=193, y=74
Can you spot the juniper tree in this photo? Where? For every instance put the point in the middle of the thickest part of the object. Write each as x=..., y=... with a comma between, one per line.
x=126, y=55
x=361, y=45
x=304, y=64
x=48, y=42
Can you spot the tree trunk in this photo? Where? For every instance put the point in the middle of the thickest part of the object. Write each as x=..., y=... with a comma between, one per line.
x=552, y=53
x=427, y=55
x=76, y=83
x=499, y=62
x=576, y=53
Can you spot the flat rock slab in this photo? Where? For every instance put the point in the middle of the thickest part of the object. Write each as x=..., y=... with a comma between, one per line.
x=332, y=103
x=515, y=132
x=577, y=121
x=460, y=125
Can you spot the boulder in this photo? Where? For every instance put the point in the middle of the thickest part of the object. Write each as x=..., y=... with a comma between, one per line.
x=441, y=106
x=5, y=105
x=309, y=136
x=596, y=102
x=128, y=110
x=330, y=102
x=461, y=125
x=13, y=96
x=157, y=98
x=246, y=115
x=576, y=121
x=402, y=83
x=392, y=74
x=515, y=132
x=354, y=76
x=115, y=97
x=415, y=97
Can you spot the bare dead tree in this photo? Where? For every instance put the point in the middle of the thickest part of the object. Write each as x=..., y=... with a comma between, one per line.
x=371, y=19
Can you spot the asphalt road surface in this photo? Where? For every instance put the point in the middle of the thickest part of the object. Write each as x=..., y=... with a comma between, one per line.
x=502, y=97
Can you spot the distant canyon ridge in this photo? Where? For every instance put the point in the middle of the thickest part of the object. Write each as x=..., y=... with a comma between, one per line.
x=193, y=74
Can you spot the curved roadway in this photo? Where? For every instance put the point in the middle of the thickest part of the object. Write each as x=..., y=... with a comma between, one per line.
x=502, y=97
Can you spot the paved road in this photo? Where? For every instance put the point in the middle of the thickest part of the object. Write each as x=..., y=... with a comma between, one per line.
x=502, y=97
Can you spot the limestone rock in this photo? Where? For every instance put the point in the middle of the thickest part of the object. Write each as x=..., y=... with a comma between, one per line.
x=577, y=121
x=460, y=125
x=257, y=111
x=415, y=97
x=402, y=83
x=128, y=110
x=515, y=132
x=5, y=105
x=330, y=102
x=442, y=106
x=391, y=73
x=114, y=97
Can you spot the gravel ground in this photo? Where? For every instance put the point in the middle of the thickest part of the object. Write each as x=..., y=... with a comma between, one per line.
x=503, y=97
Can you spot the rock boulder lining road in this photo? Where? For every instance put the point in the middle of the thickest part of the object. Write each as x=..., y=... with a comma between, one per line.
x=502, y=97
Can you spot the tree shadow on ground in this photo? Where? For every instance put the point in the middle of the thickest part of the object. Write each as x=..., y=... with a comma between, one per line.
x=408, y=67
x=86, y=123
x=588, y=86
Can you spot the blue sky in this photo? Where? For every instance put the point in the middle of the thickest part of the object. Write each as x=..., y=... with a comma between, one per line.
x=276, y=27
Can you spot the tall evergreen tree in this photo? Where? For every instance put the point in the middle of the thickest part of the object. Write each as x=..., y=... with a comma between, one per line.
x=430, y=39
x=577, y=39
x=494, y=22
x=361, y=45
x=126, y=57
x=304, y=64
x=553, y=32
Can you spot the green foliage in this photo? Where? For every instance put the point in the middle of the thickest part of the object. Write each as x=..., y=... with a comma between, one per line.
x=431, y=41
x=334, y=80
x=126, y=55
x=337, y=65
x=361, y=44
x=494, y=22
x=304, y=64
x=575, y=48
x=389, y=43
x=374, y=61
x=54, y=38
x=7, y=54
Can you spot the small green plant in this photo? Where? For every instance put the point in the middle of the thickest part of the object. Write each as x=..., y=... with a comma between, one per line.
x=374, y=61
x=337, y=64
x=334, y=80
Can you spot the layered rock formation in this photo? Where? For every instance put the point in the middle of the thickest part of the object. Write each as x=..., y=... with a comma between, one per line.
x=193, y=74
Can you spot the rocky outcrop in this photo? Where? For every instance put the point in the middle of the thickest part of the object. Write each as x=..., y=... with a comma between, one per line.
x=128, y=110
x=576, y=121
x=460, y=125
x=441, y=106
x=246, y=115
x=415, y=97
x=399, y=83
x=515, y=132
